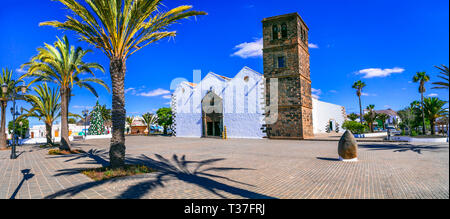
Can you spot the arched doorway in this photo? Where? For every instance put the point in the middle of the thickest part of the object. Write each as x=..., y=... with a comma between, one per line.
x=212, y=115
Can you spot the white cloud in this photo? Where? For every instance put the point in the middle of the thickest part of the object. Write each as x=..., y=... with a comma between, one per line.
x=154, y=93
x=82, y=107
x=433, y=95
x=387, y=106
x=316, y=93
x=378, y=72
x=313, y=46
x=22, y=71
x=333, y=91
x=131, y=89
x=167, y=96
x=368, y=94
x=249, y=50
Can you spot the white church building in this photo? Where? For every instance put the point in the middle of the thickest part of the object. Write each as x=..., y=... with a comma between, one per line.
x=235, y=107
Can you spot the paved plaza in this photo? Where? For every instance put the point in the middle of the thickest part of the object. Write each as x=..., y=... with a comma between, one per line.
x=236, y=168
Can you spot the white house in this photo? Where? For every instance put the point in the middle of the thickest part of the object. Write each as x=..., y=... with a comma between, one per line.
x=235, y=106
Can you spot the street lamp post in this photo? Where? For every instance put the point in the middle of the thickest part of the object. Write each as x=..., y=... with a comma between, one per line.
x=85, y=114
x=13, y=96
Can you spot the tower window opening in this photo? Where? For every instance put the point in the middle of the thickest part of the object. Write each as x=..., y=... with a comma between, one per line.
x=275, y=32
x=284, y=33
x=281, y=62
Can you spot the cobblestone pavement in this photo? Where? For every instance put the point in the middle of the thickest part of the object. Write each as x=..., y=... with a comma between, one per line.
x=213, y=168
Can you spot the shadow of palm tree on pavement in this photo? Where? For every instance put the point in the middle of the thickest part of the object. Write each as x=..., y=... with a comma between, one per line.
x=199, y=173
x=403, y=147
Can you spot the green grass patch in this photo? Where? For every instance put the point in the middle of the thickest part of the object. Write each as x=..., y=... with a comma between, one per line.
x=104, y=173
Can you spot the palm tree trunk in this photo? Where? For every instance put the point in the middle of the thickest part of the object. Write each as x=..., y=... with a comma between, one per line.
x=360, y=110
x=65, y=142
x=423, y=117
x=117, y=70
x=3, y=144
x=48, y=133
x=433, y=132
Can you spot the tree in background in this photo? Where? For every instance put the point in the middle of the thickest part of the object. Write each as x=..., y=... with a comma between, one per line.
x=21, y=128
x=165, y=118
x=150, y=119
x=434, y=109
x=352, y=116
x=370, y=117
x=407, y=116
x=422, y=78
x=129, y=123
x=383, y=118
x=45, y=106
x=120, y=28
x=97, y=124
x=359, y=85
x=72, y=121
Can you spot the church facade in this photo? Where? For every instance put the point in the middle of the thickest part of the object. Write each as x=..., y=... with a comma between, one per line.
x=277, y=104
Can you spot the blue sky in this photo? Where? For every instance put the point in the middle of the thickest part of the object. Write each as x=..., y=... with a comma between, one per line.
x=380, y=42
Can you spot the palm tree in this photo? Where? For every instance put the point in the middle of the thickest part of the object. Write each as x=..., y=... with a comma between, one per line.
x=129, y=121
x=45, y=106
x=370, y=116
x=5, y=78
x=444, y=76
x=63, y=64
x=433, y=108
x=149, y=120
x=383, y=117
x=422, y=78
x=120, y=28
x=359, y=85
x=353, y=116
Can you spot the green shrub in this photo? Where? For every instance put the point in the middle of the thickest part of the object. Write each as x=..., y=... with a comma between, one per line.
x=413, y=133
x=354, y=127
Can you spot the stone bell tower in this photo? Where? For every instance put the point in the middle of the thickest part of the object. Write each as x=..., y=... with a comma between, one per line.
x=286, y=62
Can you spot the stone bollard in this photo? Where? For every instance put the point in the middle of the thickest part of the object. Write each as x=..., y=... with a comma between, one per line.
x=348, y=148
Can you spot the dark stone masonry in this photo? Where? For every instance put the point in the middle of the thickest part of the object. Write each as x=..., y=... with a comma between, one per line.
x=286, y=58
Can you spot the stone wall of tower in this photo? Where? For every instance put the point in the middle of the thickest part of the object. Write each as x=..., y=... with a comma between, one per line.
x=294, y=84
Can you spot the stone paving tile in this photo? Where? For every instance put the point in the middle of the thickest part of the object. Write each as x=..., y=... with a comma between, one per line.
x=212, y=168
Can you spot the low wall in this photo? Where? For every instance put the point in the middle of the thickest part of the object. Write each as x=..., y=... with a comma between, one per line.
x=371, y=135
x=412, y=139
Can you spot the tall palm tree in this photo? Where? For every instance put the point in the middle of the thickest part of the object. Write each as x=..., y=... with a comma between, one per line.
x=434, y=109
x=5, y=78
x=359, y=85
x=444, y=76
x=46, y=107
x=120, y=28
x=422, y=78
x=63, y=64
x=149, y=120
